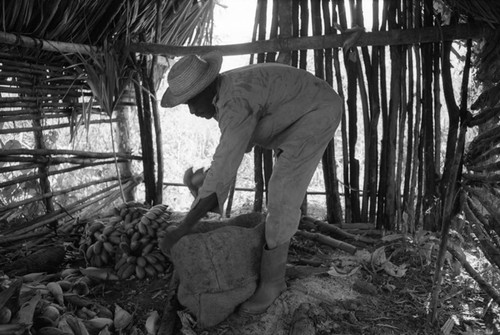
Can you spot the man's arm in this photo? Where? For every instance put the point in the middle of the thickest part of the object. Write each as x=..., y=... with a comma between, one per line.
x=173, y=235
x=203, y=206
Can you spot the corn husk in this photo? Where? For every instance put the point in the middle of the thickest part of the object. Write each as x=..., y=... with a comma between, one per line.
x=103, y=311
x=28, y=289
x=152, y=323
x=51, y=312
x=50, y=331
x=89, y=313
x=5, y=315
x=97, y=324
x=104, y=331
x=122, y=318
x=13, y=329
x=69, y=272
x=80, y=288
x=81, y=314
x=32, y=277
x=76, y=325
x=25, y=314
x=66, y=285
x=57, y=292
x=99, y=273
x=42, y=321
x=64, y=326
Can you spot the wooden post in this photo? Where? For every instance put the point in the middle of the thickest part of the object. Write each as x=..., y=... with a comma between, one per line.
x=450, y=199
x=261, y=23
x=302, y=61
x=409, y=135
x=155, y=110
x=415, y=189
x=428, y=126
x=372, y=71
x=123, y=129
x=146, y=144
x=350, y=58
x=333, y=205
x=382, y=188
x=394, y=107
x=343, y=122
x=43, y=169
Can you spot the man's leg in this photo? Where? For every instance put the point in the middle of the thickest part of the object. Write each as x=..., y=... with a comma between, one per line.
x=296, y=163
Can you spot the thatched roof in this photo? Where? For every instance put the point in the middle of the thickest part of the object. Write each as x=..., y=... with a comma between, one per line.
x=93, y=22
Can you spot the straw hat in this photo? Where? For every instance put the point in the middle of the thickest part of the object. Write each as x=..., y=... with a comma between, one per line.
x=189, y=76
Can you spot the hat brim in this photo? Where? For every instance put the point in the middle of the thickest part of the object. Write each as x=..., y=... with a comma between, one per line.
x=214, y=60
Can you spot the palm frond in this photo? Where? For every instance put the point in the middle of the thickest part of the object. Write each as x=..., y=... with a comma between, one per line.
x=108, y=74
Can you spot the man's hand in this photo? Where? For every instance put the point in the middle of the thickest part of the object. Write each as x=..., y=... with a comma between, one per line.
x=170, y=237
x=194, y=180
x=173, y=234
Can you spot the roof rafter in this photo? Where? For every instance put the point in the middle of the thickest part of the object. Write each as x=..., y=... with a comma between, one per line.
x=379, y=38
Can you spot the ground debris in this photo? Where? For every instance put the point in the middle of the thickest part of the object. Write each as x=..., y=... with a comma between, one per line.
x=330, y=291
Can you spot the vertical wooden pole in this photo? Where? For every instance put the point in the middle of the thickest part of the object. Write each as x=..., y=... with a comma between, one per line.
x=273, y=30
x=453, y=115
x=43, y=169
x=333, y=205
x=382, y=188
x=295, y=31
x=280, y=9
x=123, y=130
x=415, y=189
x=394, y=105
x=400, y=142
x=428, y=126
x=336, y=16
x=350, y=59
x=317, y=24
x=230, y=197
x=148, y=134
x=304, y=26
x=373, y=77
x=302, y=60
x=451, y=197
x=410, y=112
x=285, y=28
x=146, y=142
x=156, y=114
x=437, y=107
x=403, y=112
x=365, y=92
x=261, y=21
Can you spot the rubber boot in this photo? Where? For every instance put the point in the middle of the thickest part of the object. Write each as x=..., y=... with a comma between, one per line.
x=272, y=281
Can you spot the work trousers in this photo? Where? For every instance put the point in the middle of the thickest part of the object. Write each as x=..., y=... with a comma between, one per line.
x=300, y=150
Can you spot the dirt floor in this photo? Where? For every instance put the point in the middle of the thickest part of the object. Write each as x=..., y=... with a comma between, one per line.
x=382, y=288
x=352, y=299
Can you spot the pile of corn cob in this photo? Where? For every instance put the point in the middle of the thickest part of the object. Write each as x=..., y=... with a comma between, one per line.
x=127, y=241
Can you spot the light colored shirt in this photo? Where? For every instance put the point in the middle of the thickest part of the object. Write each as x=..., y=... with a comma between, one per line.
x=256, y=104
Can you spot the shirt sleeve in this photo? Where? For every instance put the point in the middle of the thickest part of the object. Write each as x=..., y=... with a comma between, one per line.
x=237, y=126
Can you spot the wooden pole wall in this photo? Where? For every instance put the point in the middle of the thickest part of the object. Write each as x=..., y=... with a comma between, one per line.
x=393, y=122
x=392, y=171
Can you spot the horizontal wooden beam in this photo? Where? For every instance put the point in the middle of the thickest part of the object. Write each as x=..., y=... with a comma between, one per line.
x=378, y=38
x=54, y=46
